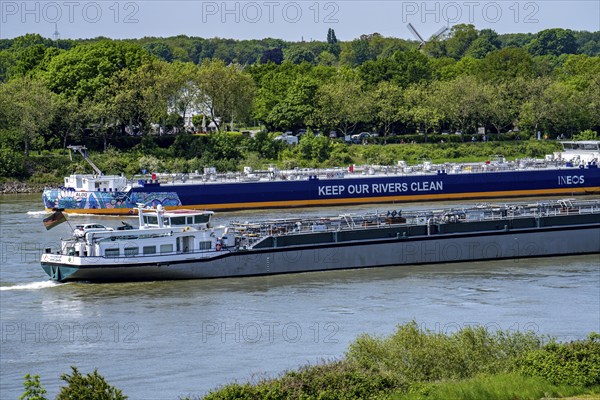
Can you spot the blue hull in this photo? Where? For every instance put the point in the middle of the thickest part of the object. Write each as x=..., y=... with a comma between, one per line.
x=349, y=190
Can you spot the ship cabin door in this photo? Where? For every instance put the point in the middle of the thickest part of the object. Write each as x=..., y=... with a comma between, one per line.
x=185, y=244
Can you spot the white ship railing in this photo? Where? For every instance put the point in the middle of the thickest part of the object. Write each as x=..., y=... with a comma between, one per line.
x=358, y=172
x=256, y=231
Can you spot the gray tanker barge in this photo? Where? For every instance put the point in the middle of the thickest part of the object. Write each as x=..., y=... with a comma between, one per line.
x=182, y=244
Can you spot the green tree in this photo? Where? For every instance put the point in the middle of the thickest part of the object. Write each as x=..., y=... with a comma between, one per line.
x=326, y=58
x=160, y=50
x=554, y=41
x=33, y=389
x=181, y=88
x=274, y=55
x=90, y=387
x=499, y=106
x=534, y=111
x=567, y=109
x=507, y=64
x=579, y=70
x=333, y=45
x=460, y=102
x=486, y=42
x=297, y=107
x=403, y=68
x=342, y=104
x=299, y=54
x=165, y=87
x=388, y=105
x=331, y=38
x=314, y=148
x=226, y=91
x=69, y=120
x=28, y=106
x=459, y=40
x=356, y=52
x=85, y=69
x=422, y=105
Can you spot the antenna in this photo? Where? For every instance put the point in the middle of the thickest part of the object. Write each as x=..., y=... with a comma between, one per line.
x=56, y=34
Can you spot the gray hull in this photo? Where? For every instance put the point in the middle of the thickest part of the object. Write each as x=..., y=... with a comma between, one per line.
x=440, y=248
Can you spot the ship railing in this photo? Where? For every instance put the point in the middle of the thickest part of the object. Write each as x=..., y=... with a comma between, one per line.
x=253, y=231
x=361, y=171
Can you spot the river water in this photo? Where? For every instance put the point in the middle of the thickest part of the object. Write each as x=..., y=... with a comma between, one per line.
x=167, y=339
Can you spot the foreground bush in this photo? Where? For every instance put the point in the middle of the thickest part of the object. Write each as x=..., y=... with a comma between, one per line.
x=512, y=386
x=473, y=363
x=574, y=363
x=89, y=387
x=413, y=355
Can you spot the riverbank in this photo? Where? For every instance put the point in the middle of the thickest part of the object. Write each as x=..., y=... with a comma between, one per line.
x=16, y=187
x=418, y=364
x=49, y=167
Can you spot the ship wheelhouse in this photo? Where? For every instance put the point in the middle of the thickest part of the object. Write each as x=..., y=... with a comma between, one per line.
x=96, y=183
x=585, y=152
x=161, y=233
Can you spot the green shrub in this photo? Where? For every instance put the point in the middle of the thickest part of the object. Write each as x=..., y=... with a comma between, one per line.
x=90, y=387
x=12, y=164
x=575, y=363
x=414, y=355
x=511, y=386
x=46, y=178
x=588, y=134
x=33, y=389
x=411, y=358
x=334, y=380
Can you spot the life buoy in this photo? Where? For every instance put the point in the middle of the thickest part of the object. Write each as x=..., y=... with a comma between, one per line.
x=218, y=247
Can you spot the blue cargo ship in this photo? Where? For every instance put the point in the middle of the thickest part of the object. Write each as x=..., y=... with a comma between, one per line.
x=571, y=172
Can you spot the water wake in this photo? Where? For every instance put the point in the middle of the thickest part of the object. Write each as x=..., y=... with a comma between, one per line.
x=31, y=286
x=36, y=213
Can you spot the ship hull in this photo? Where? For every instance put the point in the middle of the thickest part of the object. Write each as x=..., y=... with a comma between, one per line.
x=502, y=243
x=330, y=192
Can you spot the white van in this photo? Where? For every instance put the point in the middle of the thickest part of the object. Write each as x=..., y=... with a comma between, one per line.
x=289, y=139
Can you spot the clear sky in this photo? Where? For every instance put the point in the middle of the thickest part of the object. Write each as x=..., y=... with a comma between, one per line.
x=289, y=20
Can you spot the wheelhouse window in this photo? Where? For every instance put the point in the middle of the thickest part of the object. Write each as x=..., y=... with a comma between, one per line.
x=149, y=250
x=177, y=221
x=111, y=252
x=151, y=219
x=131, y=251
x=201, y=219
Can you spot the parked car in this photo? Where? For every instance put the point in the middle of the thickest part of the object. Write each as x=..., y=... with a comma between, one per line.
x=359, y=138
x=287, y=139
x=81, y=230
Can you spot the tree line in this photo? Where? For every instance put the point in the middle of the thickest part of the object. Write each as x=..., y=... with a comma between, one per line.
x=56, y=92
